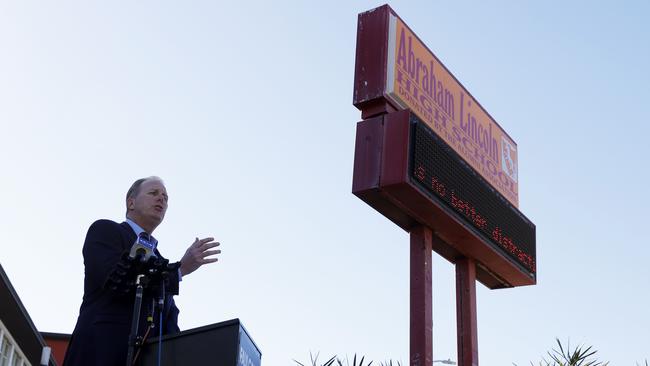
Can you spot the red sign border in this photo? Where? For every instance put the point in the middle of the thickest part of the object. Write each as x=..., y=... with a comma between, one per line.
x=371, y=62
x=371, y=71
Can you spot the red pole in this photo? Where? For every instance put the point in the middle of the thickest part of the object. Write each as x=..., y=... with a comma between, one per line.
x=421, y=326
x=466, y=312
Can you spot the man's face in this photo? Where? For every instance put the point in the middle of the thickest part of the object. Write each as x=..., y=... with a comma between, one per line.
x=148, y=207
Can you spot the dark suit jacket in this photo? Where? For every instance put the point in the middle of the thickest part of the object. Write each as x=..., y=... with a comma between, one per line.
x=100, y=337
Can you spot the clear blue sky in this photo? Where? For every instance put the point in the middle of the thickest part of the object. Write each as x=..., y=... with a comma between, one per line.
x=245, y=109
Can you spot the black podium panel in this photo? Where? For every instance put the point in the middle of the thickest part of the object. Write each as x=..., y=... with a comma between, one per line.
x=221, y=344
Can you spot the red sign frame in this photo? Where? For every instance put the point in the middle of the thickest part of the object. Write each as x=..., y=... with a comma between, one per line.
x=395, y=70
x=382, y=180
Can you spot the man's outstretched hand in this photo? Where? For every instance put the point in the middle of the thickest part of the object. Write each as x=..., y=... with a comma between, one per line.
x=196, y=255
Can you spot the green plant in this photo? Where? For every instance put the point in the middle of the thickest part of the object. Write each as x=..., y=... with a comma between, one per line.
x=579, y=356
x=314, y=360
x=390, y=363
x=354, y=361
x=335, y=361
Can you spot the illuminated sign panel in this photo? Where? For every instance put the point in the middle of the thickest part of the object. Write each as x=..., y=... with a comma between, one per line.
x=440, y=172
x=408, y=173
x=417, y=80
x=413, y=78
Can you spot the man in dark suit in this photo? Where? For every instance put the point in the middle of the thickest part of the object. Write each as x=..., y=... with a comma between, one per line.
x=100, y=337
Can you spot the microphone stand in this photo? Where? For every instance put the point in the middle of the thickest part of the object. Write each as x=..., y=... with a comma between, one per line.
x=150, y=320
x=146, y=272
x=161, y=312
x=133, y=337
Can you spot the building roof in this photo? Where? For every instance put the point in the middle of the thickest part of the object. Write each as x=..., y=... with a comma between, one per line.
x=18, y=323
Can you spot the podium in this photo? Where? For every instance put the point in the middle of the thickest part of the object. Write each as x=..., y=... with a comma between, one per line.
x=221, y=344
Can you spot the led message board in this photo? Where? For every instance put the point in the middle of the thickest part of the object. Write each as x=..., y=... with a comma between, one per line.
x=440, y=172
x=395, y=70
x=407, y=172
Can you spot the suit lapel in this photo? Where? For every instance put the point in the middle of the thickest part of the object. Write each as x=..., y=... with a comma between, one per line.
x=129, y=234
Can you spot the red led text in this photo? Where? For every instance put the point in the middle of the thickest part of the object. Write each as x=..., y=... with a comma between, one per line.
x=473, y=216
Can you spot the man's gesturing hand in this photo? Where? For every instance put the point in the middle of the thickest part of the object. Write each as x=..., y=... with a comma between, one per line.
x=196, y=255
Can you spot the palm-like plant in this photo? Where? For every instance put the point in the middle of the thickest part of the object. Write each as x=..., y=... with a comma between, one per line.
x=335, y=361
x=354, y=361
x=579, y=356
x=390, y=363
x=314, y=360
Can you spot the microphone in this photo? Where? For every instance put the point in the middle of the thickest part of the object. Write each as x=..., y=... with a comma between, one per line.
x=142, y=249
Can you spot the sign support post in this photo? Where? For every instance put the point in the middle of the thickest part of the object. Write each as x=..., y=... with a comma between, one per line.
x=466, y=325
x=421, y=319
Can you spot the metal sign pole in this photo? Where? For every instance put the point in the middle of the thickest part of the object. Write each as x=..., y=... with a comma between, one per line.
x=466, y=312
x=421, y=321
